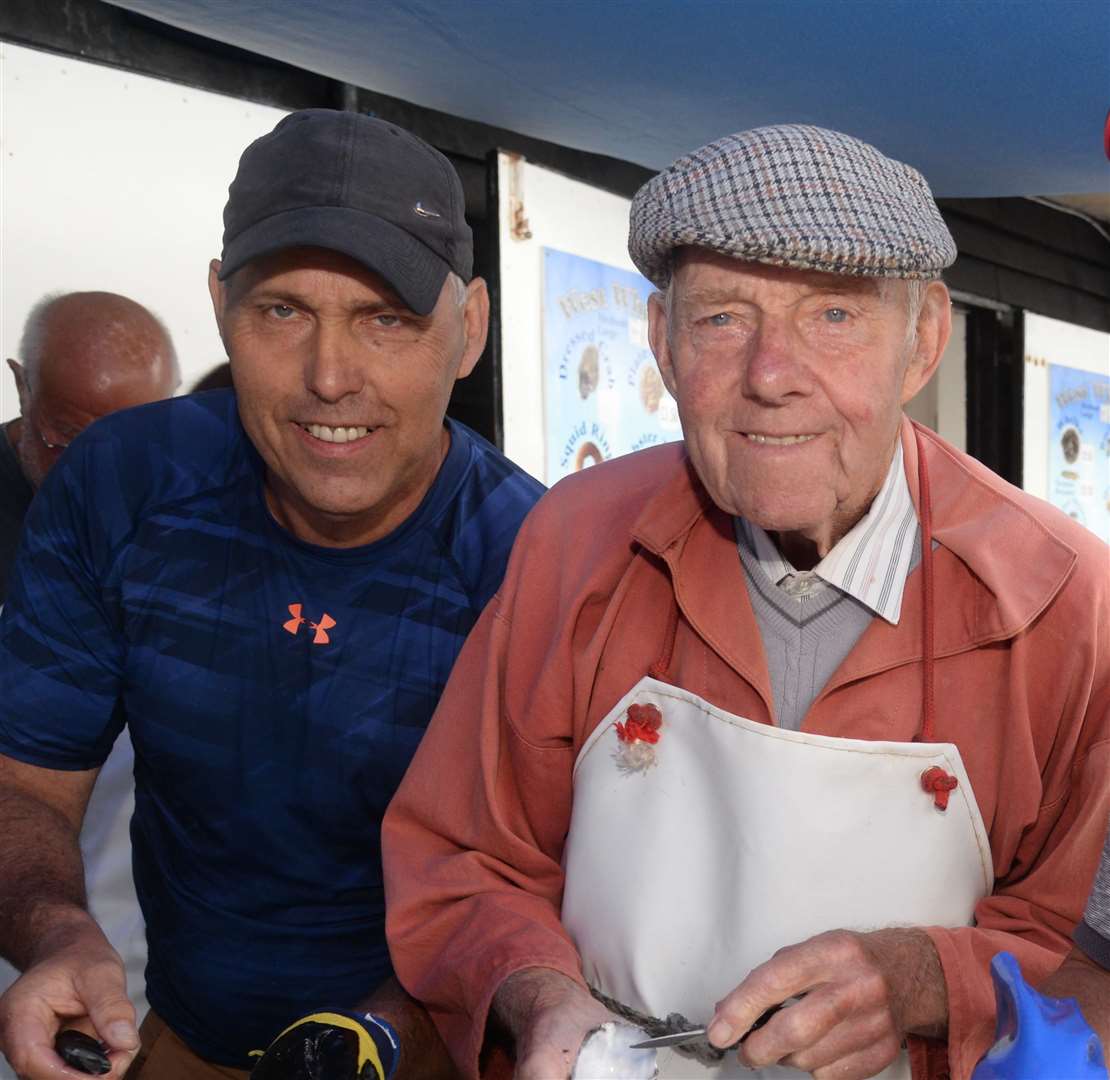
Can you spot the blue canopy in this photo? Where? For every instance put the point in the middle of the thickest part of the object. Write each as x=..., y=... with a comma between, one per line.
x=986, y=97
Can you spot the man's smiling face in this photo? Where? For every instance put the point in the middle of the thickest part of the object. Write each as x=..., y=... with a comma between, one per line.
x=790, y=385
x=342, y=388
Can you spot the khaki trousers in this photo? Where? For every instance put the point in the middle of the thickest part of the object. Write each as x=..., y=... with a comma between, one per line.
x=163, y=1056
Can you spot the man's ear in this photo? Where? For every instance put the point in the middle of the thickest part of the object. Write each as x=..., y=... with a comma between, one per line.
x=934, y=325
x=658, y=337
x=218, y=291
x=475, y=325
x=20, y=384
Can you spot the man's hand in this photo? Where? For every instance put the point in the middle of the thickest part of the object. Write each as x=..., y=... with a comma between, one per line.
x=548, y=1016
x=76, y=980
x=863, y=994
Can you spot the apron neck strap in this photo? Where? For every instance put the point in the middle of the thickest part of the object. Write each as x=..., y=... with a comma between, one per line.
x=927, y=606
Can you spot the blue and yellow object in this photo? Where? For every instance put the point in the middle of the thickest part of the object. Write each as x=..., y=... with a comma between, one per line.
x=331, y=1045
x=1037, y=1037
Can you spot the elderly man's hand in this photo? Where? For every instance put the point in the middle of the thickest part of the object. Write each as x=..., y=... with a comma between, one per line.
x=548, y=1016
x=862, y=994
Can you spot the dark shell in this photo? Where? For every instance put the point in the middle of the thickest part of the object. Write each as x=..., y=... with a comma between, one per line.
x=83, y=1053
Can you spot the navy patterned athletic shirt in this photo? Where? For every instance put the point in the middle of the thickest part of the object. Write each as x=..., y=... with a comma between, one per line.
x=275, y=692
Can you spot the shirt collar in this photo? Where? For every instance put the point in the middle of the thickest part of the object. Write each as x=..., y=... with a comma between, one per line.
x=982, y=528
x=871, y=562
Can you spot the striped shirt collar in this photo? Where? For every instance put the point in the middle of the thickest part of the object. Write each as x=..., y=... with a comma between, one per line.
x=870, y=563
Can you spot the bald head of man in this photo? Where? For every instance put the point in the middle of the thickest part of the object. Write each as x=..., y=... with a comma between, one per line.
x=83, y=355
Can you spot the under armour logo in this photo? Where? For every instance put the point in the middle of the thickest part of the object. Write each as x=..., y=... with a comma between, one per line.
x=322, y=627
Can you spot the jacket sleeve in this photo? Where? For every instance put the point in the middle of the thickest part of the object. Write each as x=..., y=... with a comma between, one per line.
x=1032, y=911
x=473, y=839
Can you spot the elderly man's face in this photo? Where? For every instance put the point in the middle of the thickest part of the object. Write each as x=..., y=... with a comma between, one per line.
x=343, y=389
x=790, y=385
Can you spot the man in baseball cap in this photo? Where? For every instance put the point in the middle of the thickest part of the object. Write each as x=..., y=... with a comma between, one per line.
x=356, y=185
x=269, y=586
x=807, y=713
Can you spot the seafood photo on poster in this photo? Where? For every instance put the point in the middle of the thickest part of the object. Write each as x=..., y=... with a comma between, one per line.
x=603, y=395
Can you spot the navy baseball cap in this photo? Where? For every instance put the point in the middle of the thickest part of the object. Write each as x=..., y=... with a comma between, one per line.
x=357, y=185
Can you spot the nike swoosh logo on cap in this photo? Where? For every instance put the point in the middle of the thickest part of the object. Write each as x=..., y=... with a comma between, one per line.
x=419, y=209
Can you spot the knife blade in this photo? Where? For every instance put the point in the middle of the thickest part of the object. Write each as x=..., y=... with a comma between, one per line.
x=679, y=1037
x=669, y=1040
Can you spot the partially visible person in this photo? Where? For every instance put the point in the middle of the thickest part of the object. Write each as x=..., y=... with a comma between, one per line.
x=1085, y=972
x=84, y=355
x=218, y=378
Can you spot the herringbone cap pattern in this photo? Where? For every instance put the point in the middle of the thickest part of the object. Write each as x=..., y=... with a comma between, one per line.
x=792, y=195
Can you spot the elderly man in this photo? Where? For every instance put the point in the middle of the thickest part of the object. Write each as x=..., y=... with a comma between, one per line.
x=269, y=588
x=82, y=355
x=810, y=709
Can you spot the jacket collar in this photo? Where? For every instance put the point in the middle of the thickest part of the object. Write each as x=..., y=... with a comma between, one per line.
x=675, y=508
x=979, y=521
x=984, y=533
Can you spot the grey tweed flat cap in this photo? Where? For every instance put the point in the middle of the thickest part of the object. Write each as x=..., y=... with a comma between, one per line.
x=792, y=195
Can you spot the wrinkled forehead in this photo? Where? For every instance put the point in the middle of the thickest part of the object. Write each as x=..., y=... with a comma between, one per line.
x=700, y=273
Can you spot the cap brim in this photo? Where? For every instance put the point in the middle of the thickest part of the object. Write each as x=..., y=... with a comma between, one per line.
x=412, y=270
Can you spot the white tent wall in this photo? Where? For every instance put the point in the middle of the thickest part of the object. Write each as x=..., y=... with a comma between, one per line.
x=114, y=181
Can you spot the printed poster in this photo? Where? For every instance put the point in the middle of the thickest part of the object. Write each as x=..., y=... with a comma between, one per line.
x=603, y=395
x=1079, y=446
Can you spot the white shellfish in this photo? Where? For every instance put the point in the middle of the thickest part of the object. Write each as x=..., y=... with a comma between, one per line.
x=607, y=1054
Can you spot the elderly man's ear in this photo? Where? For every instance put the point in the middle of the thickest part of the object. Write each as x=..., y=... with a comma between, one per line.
x=20, y=382
x=660, y=343
x=934, y=324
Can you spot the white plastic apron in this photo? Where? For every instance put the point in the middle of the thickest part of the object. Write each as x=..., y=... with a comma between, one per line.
x=743, y=838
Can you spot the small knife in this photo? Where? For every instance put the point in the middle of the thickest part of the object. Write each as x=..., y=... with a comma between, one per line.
x=669, y=1040
x=700, y=1033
